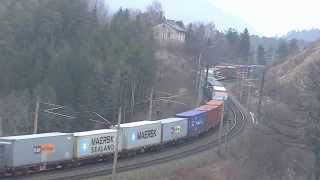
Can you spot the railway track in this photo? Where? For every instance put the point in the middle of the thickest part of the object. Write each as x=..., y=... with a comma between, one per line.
x=204, y=143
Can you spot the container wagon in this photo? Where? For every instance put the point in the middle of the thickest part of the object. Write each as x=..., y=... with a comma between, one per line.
x=140, y=136
x=173, y=129
x=95, y=145
x=36, y=152
x=213, y=115
x=197, y=122
x=220, y=106
x=222, y=96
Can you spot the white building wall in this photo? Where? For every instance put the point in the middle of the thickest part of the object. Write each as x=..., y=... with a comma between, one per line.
x=163, y=32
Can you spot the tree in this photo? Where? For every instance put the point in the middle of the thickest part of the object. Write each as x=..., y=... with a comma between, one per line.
x=312, y=106
x=293, y=46
x=244, y=46
x=261, y=59
x=232, y=37
x=65, y=53
x=283, y=50
x=155, y=12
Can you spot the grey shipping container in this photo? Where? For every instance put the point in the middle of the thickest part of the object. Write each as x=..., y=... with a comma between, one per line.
x=140, y=134
x=94, y=143
x=3, y=154
x=37, y=148
x=173, y=129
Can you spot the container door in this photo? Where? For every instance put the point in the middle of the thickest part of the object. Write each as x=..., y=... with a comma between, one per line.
x=2, y=156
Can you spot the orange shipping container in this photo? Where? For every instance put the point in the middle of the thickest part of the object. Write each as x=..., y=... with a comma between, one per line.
x=213, y=113
x=220, y=105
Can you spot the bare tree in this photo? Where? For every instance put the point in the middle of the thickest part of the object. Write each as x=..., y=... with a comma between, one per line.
x=15, y=113
x=155, y=12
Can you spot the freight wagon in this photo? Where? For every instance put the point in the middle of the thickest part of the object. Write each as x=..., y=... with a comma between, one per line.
x=197, y=122
x=140, y=136
x=219, y=105
x=213, y=115
x=173, y=129
x=36, y=151
x=222, y=96
x=95, y=144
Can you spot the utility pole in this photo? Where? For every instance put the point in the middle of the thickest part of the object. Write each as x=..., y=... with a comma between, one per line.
x=261, y=95
x=248, y=96
x=199, y=79
x=199, y=89
x=226, y=132
x=115, y=156
x=220, y=132
x=150, y=105
x=206, y=81
x=36, y=116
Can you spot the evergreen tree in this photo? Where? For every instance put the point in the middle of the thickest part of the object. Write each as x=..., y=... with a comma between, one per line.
x=244, y=45
x=293, y=46
x=261, y=59
x=283, y=50
x=232, y=37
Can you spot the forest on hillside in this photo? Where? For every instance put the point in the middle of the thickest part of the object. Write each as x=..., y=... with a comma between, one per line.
x=76, y=55
x=71, y=53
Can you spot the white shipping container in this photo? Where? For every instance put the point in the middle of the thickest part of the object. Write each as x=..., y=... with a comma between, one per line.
x=94, y=143
x=173, y=129
x=37, y=148
x=140, y=134
x=219, y=88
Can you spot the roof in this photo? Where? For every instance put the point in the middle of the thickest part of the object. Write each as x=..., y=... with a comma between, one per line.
x=175, y=25
x=219, y=88
x=219, y=98
x=5, y=143
x=206, y=108
x=221, y=94
x=94, y=132
x=190, y=113
x=138, y=123
x=32, y=136
x=215, y=103
x=170, y=120
x=214, y=82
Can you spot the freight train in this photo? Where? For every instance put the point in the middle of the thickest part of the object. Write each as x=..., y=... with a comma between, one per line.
x=47, y=151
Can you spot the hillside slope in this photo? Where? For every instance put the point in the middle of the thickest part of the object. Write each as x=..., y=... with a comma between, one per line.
x=295, y=72
x=306, y=35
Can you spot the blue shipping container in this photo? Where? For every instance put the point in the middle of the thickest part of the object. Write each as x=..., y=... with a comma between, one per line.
x=197, y=121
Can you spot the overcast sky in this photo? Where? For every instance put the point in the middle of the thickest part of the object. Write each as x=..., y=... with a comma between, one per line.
x=266, y=17
x=274, y=17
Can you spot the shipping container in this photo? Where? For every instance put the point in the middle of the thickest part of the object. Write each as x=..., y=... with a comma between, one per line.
x=220, y=105
x=197, y=121
x=219, y=88
x=94, y=143
x=140, y=134
x=213, y=115
x=3, y=154
x=173, y=129
x=37, y=148
x=224, y=95
x=218, y=98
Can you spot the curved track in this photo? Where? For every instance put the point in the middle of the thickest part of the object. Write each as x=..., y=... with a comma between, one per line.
x=201, y=144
